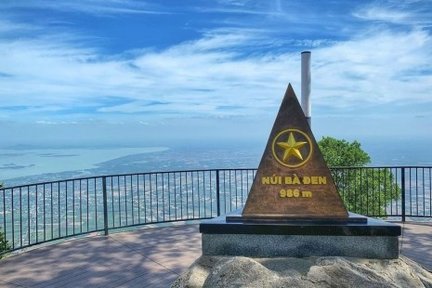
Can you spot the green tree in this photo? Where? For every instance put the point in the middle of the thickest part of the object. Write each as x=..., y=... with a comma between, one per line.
x=4, y=245
x=364, y=190
x=343, y=153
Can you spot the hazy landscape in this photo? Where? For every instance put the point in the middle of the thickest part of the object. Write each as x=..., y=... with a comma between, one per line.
x=24, y=165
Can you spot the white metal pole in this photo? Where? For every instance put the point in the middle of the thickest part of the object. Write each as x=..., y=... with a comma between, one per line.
x=306, y=84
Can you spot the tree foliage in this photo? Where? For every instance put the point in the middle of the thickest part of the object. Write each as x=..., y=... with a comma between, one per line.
x=364, y=190
x=4, y=245
x=343, y=153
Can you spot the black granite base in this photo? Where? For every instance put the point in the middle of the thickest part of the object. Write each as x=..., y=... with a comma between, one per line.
x=236, y=216
x=368, y=238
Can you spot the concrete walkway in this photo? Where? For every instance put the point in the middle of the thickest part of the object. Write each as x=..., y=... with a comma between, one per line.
x=152, y=257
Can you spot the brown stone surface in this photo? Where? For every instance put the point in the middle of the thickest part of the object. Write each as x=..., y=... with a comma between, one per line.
x=292, y=156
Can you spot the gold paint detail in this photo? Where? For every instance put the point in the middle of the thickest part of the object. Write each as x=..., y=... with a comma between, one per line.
x=294, y=193
x=294, y=151
x=291, y=147
x=293, y=180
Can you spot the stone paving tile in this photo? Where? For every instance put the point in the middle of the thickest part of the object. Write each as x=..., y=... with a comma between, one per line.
x=417, y=243
x=150, y=281
x=178, y=264
x=107, y=278
x=168, y=236
x=9, y=285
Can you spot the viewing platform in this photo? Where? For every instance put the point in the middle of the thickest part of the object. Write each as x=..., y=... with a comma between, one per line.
x=59, y=225
x=147, y=257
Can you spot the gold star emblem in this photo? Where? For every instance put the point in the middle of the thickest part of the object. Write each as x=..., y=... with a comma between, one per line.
x=291, y=147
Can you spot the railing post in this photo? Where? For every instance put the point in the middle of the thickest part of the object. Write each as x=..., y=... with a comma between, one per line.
x=218, y=192
x=403, y=194
x=105, y=205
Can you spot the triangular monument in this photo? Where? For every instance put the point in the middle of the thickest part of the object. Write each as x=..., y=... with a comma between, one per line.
x=293, y=180
x=293, y=208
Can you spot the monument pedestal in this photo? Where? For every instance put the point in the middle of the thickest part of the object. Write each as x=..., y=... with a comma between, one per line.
x=366, y=238
x=293, y=208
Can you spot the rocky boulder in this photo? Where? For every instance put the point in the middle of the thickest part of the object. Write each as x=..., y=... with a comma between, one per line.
x=217, y=271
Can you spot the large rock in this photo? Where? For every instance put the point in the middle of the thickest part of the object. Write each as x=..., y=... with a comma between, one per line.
x=217, y=271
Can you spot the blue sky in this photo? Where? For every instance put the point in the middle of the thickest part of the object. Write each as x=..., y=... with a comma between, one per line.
x=130, y=73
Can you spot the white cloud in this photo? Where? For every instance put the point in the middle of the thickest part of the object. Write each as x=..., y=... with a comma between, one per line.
x=94, y=7
x=213, y=75
x=7, y=26
x=46, y=122
x=185, y=76
x=378, y=67
x=413, y=13
x=382, y=14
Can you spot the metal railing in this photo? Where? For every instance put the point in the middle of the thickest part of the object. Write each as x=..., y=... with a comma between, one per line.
x=36, y=213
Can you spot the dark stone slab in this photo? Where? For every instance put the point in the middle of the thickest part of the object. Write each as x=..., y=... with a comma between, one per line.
x=238, y=217
x=372, y=238
x=360, y=226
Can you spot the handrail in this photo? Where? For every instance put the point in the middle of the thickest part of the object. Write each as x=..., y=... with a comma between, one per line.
x=128, y=174
x=208, y=170
x=40, y=212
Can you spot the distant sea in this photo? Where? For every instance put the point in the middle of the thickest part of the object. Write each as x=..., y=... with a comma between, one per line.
x=31, y=165
x=24, y=166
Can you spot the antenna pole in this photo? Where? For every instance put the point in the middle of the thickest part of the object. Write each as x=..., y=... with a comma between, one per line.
x=306, y=84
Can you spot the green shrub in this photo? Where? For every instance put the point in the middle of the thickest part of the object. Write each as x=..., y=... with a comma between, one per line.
x=364, y=191
x=4, y=245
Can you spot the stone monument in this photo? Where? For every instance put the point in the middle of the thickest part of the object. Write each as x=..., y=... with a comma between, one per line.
x=293, y=208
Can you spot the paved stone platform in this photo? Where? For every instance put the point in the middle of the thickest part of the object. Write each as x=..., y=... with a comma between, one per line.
x=416, y=243
x=152, y=257
x=147, y=257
